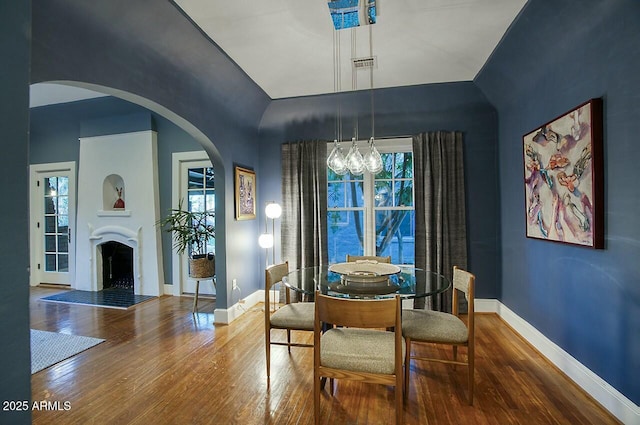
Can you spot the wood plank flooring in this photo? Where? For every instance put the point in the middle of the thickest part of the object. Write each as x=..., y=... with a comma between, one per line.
x=161, y=364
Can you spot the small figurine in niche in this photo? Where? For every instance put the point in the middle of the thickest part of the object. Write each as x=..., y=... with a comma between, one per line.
x=119, y=202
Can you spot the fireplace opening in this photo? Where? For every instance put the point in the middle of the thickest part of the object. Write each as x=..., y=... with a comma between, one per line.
x=117, y=266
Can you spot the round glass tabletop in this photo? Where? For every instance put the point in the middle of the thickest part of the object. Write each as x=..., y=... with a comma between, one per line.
x=409, y=282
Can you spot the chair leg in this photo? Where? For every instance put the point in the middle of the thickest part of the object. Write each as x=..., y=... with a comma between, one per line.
x=195, y=298
x=289, y=340
x=268, y=351
x=470, y=361
x=399, y=399
x=407, y=367
x=316, y=398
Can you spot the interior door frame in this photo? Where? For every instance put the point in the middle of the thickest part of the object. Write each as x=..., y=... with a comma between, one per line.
x=180, y=160
x=36, y=207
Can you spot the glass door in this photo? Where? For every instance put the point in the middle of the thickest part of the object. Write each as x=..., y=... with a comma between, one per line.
x=197, y=189
x=52, y=223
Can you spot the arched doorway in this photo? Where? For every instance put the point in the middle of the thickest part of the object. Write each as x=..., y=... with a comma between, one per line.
x=197, y=136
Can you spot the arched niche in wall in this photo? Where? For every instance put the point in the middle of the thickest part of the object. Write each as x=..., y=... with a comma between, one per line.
x=113, y=193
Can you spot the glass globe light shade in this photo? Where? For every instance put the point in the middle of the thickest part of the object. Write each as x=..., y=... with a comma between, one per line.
x=273, y=210
x=336, y=160
x=265, y=240
x=373, y=159
x=355, y=161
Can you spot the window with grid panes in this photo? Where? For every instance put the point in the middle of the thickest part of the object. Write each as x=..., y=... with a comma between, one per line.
x=374, y=215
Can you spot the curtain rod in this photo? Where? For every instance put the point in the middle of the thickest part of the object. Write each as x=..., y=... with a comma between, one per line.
x=404, y=136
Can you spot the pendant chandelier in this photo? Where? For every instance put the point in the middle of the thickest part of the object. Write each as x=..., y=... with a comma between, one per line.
x=354, y=162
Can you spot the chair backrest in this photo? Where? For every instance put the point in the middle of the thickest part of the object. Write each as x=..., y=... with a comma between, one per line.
x=464, y=282
x=273, y=275
x=354, y=258
x=383, y=313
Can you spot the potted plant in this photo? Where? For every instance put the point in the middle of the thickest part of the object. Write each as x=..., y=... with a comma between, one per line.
x=190, y=233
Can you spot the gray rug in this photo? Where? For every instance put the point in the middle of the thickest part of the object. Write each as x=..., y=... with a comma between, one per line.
x=111, y=298
x=49, y=348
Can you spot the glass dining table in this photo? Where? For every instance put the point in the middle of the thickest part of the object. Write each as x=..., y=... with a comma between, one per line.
x=409, y=283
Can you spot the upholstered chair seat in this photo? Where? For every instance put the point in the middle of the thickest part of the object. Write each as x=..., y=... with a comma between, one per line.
x=434, y=326
x=294, y=316
x=359, y=350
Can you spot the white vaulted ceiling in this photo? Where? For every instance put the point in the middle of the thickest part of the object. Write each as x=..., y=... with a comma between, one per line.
x=286, y=46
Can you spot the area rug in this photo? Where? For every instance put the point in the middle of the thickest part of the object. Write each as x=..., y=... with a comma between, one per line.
x=111, y=298
x=49, y=348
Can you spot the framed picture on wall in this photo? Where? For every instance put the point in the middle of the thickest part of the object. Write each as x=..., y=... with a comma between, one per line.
x=245, y=191
x=563, y=178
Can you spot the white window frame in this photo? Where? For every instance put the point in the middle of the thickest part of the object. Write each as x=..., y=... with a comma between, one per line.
x=403, y=144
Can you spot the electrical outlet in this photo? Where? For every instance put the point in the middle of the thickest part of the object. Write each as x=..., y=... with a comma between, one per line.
x=234, y=284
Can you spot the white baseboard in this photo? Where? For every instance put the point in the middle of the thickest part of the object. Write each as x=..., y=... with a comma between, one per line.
x=487, y=306
x=223, y=316
x=611, y=399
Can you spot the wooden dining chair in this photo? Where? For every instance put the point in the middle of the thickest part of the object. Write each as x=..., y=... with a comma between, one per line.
x=358, y=348
x=354, y=258
x=426, y=326
x=290, y=316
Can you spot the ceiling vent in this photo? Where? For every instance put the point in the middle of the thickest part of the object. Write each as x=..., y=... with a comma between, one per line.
x=370, y=62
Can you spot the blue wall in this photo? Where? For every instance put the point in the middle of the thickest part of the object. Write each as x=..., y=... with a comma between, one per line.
x=55, y=130
x=555, y=57
x=399, y=112
x=15, y=368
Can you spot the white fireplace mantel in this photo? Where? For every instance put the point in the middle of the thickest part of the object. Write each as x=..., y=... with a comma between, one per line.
x=108, y=164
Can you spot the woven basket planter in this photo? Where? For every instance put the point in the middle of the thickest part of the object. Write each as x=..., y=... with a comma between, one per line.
x=202, y=267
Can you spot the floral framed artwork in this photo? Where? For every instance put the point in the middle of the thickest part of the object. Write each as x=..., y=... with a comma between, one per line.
x=563, y=178
x=245, y=190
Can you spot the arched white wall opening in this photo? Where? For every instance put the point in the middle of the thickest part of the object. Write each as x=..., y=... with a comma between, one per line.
x=208, y=146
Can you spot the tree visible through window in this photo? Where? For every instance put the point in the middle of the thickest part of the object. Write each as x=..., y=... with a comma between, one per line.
x=374, y=215
x=202, y=193
x=56, y=224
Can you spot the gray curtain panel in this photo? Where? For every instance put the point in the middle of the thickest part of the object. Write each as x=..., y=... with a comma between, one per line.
x=441, y=231
x=304, y=204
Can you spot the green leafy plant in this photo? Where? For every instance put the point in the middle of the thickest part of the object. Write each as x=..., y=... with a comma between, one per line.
x=190, y=230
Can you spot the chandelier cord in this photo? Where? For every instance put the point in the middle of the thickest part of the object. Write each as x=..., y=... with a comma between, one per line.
x=354, y=162
x=373, y=115
x=354, y=77
x=337, y=85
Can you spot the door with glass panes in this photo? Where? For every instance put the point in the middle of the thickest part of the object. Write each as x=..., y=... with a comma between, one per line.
x=198, y=194
x=52, y=224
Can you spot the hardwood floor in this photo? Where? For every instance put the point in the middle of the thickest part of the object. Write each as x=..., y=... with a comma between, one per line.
x=161, y=364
